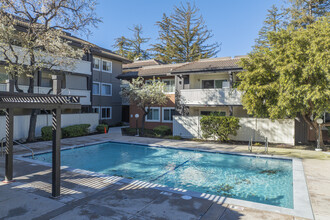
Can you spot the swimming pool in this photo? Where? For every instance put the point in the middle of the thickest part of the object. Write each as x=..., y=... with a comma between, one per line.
x=256, y=179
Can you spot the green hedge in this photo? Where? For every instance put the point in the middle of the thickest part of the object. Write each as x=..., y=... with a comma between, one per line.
x=219, y=127
x=100, y=128
x=70, y=131
x=75, y=130
x=162, y=130
x=46, y=133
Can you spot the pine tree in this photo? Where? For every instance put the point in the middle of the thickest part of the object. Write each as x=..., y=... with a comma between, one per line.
x=136, y=43
x=163, y=50
x=122, y=44
x=131, y=48
x=304, y=12
x=184, y=36
x=273, y=22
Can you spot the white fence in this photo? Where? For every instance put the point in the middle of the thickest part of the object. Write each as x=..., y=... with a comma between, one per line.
x=278, y=131
x=22, y=122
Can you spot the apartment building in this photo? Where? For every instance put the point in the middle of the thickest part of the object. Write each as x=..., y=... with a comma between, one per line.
x=106, y=99
x=194, y=88
x=93, y=78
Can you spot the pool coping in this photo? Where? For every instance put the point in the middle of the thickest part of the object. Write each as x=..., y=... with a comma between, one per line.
x=301, y=199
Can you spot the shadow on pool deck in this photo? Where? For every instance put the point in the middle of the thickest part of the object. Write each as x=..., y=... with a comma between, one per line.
x=90, y=197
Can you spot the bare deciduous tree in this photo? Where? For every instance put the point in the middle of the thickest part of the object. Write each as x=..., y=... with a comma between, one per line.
x=33, y=38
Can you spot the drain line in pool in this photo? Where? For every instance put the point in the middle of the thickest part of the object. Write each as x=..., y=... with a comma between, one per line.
x=170, y=170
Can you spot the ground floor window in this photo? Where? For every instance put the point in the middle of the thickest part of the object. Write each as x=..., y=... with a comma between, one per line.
x=168, y=114
x=106, y=113
x=213, y=112
x=153, y=115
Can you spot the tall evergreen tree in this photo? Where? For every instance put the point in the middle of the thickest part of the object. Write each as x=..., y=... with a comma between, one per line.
x=304, y=12
x=164, y=50
x=136, y=43
x=122, y=45
x=273, y=22
x=132, y=48
x=184, y=36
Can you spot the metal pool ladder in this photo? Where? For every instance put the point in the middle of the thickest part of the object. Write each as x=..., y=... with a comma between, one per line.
x=20, y=144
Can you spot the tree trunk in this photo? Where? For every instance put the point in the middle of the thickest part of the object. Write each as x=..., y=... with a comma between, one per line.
x=315, y=127
x=321, y=135
x=143, y=121
x=34, y=115
x=16, y=84
x=33, y=123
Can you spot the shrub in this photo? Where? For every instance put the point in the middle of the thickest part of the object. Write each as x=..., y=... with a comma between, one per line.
x=46, y=133
x=219, y=127
x=75, y=130
x=100, y=128
x=162, y=130
x=173, y=137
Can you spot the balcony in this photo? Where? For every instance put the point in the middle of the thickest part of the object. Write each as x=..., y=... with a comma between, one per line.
x=44, y=90
x=79, y=66
x=210, y=97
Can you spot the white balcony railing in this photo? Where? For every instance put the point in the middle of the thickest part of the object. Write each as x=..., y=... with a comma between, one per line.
x=210, y=97
x=44, y=90
x=79, y=66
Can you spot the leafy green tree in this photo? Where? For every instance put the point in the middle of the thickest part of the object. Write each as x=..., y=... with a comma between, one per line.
x=145, y=95
x=291, y=76
x=132, y=48
x=219, y=127
x=183, y=37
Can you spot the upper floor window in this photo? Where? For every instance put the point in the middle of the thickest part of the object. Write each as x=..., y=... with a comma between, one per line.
x=107, y=66
x=106, y=89
x=96, y=88
x=214, y=84
x=169, y=85
x=96, y=63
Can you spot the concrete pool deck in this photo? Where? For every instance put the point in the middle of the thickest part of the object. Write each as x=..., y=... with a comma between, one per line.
x=85, y=196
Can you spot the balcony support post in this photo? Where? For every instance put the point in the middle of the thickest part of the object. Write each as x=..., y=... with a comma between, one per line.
x=231, y=79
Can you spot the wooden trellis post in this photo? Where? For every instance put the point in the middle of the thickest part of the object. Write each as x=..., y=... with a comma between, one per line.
x=9, y=138
x=56, y=156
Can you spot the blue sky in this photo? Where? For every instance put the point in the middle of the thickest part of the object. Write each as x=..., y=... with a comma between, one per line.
x=234, y=23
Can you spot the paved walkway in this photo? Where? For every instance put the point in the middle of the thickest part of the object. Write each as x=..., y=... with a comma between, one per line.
x=90, y=197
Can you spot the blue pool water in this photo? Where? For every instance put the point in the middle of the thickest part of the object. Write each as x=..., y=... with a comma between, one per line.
x=262, y=180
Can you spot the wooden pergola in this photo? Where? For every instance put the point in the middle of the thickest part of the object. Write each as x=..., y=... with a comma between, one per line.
x=11, y=100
